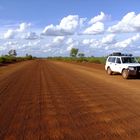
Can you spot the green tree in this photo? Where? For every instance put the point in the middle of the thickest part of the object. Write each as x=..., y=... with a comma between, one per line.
x=74, y=52
x=29, y=56
x=81, y=55
x=12, y=52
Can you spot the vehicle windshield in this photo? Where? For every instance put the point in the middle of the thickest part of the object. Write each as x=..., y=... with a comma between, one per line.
x=129, y=60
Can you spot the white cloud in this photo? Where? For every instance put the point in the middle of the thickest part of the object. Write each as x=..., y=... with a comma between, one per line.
x=31, y=36
x=58, y=40
x=71, y=43
x=10, y=43
x=82, y=21
x=31, y=45
x=69, y=47
x=27, y=45
x=67, y=26
x=98, y=18
x=94, y=29
x=128, y=42
x=11, y=33
x=69, y=23
x=88, y=41
x=109, y=42
x=100, y=43
x=91, y=43
x=109, y=39
x=55, y=43
x=23, y=26
x=129, y=23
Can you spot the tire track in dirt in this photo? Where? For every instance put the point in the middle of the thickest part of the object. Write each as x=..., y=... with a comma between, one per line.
x=10, y=98
x=59, y=101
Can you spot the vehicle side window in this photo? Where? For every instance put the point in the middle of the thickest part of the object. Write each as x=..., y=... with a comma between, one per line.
x=118, y=61
x=112, y=59
x=109, y=59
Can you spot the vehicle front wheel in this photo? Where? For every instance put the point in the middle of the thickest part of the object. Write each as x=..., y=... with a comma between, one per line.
x=109, y=72
x=125, y=74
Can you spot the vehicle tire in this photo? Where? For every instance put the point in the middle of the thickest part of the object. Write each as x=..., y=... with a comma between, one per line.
x=109, y=72
x=125, y=74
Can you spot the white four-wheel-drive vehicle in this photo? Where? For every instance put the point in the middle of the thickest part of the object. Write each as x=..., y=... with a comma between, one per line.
x=127, y=65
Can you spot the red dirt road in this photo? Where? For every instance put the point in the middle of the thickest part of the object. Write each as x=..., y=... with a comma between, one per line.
x=44, y=100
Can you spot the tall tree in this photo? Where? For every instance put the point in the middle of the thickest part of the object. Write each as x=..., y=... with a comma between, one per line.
x=12, y=52
x=74, y=52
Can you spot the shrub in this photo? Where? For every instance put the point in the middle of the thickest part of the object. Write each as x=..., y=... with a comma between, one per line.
x=99, y=60
x=12, y=59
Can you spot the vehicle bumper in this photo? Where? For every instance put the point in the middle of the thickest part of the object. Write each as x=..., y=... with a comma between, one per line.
x=132, y=72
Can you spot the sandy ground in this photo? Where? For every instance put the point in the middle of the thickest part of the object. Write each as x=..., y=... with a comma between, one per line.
x=45, y=100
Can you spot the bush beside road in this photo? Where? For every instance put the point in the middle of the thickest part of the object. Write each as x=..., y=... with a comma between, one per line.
x=98, y=60
x=12, y=59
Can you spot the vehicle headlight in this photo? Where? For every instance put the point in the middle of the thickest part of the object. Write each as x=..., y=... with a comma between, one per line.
x=131, y=68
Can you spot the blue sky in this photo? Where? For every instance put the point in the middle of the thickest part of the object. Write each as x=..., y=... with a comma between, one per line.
x=51, y=11
x=52, y=28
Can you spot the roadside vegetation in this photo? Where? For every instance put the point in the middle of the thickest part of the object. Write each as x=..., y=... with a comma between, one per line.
x=12, y=57
x=76, y=56
x=99, y=60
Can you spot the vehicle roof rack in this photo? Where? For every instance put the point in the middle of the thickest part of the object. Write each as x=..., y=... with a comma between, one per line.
x=119, y=54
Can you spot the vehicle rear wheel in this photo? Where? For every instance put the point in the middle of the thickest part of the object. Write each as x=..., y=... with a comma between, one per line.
x=109, y=72
x=125, y=74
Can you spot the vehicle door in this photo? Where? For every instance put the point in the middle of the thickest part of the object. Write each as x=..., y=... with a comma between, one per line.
x=112, y=63
x=118, y=65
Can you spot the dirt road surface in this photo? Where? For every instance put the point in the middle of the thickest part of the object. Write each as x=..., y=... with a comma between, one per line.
x=44, y=100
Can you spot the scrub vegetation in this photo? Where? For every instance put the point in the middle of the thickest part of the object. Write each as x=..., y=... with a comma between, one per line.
x=76, y=56
x=12, y=57
x=99, y=60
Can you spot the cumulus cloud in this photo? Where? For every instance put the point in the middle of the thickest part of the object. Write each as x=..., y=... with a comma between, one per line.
x=71, y=43
x=94, y=29
x=101, y=43
x=58, y=40
x=109, y=43
x=67, y=26
x=82, y=21
x=31, y=47
x=128, y=42
x=91, y=43
x=11, y=33
x=23, y=27
x=109, y=39
x=31, y=36
x=88, y=41
x=98, y=18
x=129, y=23
x=10, y=43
